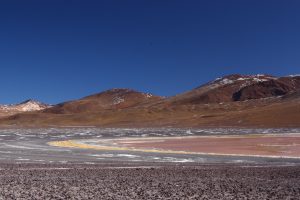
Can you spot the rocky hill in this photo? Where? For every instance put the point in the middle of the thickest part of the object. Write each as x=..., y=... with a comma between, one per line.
x=107, y=100
x=239, y=88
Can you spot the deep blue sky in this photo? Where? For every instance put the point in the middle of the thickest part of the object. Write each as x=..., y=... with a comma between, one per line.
x=57, y=50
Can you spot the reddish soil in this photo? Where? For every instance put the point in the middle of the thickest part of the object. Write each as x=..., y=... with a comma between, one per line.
x=288, y=146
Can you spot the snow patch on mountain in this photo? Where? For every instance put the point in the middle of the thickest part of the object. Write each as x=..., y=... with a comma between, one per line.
x=233, y=79
x=117, y=100
x=243, y=80
x=294, y=75
x=226, y=81
x=148, y=95
x=31, y=105
x=26, y=106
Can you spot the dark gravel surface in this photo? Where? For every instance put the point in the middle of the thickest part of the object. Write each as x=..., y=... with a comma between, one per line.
x=31, y=181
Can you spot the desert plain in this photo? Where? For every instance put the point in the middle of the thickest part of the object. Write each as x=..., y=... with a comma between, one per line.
x=149, y=163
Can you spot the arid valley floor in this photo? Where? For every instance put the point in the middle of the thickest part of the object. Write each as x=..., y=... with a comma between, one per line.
x=116, y=163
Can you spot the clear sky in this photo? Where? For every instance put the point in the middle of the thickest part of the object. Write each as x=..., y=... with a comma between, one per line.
x=57, y=50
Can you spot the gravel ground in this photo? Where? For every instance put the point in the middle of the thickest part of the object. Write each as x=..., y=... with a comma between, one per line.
x=151, y=182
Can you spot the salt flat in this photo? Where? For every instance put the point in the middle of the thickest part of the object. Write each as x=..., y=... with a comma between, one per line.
x=32, y=145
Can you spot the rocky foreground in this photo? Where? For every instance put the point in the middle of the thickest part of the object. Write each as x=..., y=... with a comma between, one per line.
x=167, y=182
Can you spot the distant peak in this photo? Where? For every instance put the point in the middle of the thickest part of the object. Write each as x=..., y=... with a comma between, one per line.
x=29, y=101
x=33, y=101
x=28, y=105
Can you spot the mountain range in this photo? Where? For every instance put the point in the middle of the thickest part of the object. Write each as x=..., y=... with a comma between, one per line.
x=234, y=100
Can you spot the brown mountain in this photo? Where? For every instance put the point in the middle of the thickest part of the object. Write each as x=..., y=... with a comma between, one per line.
x=239, y=88
x=107, y=100
x=234, y=100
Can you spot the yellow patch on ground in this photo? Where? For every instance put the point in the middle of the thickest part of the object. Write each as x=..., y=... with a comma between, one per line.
x=75, y=144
